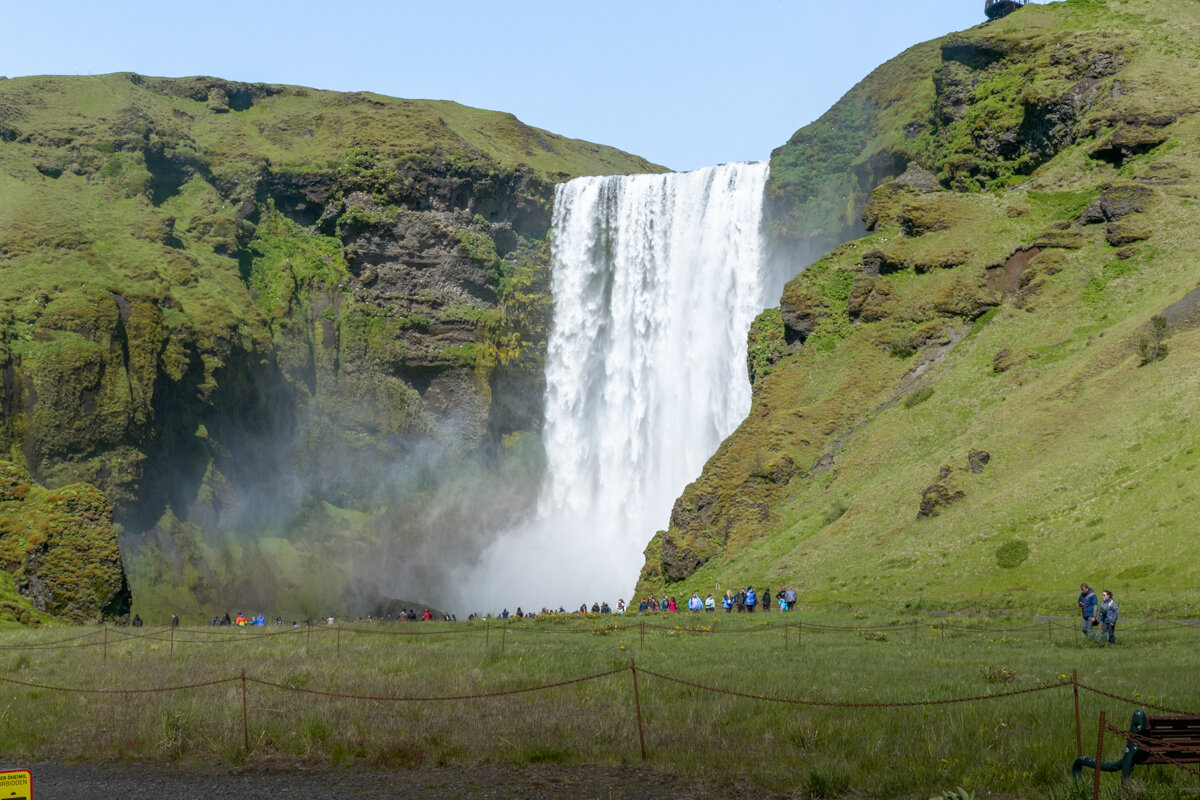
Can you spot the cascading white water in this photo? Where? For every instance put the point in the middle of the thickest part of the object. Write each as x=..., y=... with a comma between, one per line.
x=656, y=279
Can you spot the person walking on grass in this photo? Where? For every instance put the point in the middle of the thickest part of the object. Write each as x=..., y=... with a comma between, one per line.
x=727, y=602
x=710, y=605
x=1108, y=618
x=1087, y=606
x=741, y=600
x=766, y=600
x=751, y=599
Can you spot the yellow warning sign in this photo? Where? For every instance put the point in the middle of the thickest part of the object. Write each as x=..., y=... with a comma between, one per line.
x=16, y=784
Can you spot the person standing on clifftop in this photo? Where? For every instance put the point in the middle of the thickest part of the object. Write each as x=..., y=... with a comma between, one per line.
x=1087, y=605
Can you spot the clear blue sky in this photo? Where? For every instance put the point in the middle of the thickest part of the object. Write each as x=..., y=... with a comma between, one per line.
x=684, y=84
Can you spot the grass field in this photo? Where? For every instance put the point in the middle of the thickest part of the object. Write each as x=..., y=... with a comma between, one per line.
x=361, y=696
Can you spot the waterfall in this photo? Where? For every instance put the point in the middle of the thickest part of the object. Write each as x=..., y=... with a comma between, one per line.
x=656, y=279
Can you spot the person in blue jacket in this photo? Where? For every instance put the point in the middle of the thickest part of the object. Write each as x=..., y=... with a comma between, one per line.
x=1087, y=605
x=1108, y=618
x=751, y=599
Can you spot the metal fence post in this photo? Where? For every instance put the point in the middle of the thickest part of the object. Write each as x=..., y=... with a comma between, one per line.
x=245, y=721
x=1099, y=758
x=1079, y=734
x=637, y=703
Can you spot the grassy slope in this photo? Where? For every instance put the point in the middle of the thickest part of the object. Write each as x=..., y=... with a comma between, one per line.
x=78, y=228
x=1093, y=457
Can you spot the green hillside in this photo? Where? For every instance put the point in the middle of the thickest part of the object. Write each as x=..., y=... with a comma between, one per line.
x=272, y=324
x=992, y=395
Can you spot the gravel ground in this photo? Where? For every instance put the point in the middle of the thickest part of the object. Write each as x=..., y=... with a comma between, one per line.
x=542, y=782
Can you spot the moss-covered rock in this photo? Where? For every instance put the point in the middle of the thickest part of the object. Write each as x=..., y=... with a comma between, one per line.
x=60, y=548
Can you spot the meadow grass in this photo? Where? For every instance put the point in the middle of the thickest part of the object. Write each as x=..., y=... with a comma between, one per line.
x=328, y=696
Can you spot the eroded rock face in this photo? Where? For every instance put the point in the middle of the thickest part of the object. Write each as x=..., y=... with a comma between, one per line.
x=952, y=485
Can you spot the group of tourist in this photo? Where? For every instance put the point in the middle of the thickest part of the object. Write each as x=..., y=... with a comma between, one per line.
x=1102, y=612
x=744, y=601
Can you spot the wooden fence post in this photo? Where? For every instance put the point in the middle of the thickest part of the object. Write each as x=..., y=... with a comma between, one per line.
x=637, y=703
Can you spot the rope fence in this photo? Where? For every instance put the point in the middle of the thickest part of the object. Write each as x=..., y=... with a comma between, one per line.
x=246, y=681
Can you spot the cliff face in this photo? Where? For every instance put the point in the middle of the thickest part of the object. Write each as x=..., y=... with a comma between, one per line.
x=956, y=400
x=274, y=324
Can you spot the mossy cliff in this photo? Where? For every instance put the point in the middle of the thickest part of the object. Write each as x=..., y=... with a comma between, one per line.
x=60, y=549
x=272, y=324
x=993, y=389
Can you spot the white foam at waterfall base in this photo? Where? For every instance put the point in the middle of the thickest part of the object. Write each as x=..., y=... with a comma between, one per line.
x=656, y=279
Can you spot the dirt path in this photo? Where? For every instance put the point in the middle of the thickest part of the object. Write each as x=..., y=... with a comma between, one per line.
x=155, y=782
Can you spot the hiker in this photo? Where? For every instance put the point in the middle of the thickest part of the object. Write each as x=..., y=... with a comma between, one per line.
x=790, y=596
x=137, y=621
x=710, y=605
x=1087, y=605
x=1108, y=618
x=741, y=600
x=751, y=599
x=766, y=600
x=727, y=601
x=695, y=603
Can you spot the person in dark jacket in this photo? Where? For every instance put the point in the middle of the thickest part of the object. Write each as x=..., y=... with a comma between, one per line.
x=1087, y=606
x=766, y=600
x=741, y=600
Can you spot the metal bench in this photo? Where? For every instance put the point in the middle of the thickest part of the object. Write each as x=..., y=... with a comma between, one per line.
x=1152, y=740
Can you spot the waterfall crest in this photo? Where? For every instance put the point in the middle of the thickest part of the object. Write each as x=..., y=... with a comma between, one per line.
x=656, y=279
